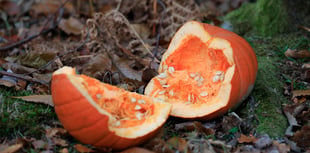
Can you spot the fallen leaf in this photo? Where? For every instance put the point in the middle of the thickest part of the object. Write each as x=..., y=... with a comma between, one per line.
x=64, y=150
x=297, y=93
x=43, y=99
x=290, y=111
x=123, y=65
x=36, y=59
x=50, y=7
x=142, y=29
x=282, y=147
x=97, y=66
x=297, y=53
x=11, y=7
x=246, y=139
x=39, y=144
x=194, y=126
x=137, y=150
x=178, y=143
x=7, y=83
x=305, y=28
x=263, y=142
x=13, y=148
x=302, y=137
x=52, y=132
x=71, y=26
x=81, y=148
x=60, y=142
x=158, y=145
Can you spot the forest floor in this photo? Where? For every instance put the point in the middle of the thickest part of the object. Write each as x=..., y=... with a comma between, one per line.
x=116, y=46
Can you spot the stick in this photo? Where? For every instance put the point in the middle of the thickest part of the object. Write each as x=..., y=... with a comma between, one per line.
x=24, y=77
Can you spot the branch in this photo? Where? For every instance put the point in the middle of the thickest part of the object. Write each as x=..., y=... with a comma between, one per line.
x=24, y=77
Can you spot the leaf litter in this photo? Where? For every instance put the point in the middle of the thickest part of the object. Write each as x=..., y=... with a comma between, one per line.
x=122, y=45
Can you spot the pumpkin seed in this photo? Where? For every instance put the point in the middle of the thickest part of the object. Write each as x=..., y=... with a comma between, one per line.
x=98, y=96
x=138, y=107
x=133, y=100
x=141, y=101
x=166, y=85
x=139, y=115
x=171, y=69
x=161, y=92
x=117, y=123
x=204, y=93
x=171, y=93
x=162, y=75
x=192, y=75
x=216, y=78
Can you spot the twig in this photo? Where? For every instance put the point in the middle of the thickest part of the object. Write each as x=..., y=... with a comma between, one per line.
x=42, y=32
x=159, y=26
x=23, y=77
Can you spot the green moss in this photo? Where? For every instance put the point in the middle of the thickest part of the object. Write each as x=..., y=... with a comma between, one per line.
x=265, y=18
x=19, y=118
x=268, y=90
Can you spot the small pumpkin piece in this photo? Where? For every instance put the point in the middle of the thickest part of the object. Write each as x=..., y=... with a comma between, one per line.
x=208, y=70
x=103, y=115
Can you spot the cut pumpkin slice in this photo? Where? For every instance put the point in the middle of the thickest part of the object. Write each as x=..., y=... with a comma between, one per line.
x=205, y=72
x=103, y=115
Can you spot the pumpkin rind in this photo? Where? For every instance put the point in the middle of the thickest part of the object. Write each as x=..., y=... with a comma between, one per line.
x=191, y=53
x=87, y=120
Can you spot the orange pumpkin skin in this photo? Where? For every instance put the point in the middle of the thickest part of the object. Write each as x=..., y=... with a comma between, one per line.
x=91, y=124
x=201, y=51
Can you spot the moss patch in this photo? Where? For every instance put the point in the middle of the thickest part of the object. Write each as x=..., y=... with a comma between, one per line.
x=19, y=118
x=268, y=90
x=265, y=18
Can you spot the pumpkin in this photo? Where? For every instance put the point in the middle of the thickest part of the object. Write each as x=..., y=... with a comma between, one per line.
x=104, y=115
x=205, y=72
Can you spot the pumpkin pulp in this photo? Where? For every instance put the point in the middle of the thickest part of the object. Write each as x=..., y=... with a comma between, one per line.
x=192, y=74
x=125, y=109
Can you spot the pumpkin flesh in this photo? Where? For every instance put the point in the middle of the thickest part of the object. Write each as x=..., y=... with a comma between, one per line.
x=200, y=72
x=103, y=115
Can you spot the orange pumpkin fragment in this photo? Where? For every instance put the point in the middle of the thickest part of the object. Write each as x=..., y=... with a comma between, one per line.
x=103, y=115
x=205, y=72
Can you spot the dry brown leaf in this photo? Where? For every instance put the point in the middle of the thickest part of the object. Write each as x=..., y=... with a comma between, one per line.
x=158, y=145
x=60, y=142
x=71, y=26
x=43, y=99
x=97, y=66
x=52, y=132
x=13, y=148
x=7, y=83
x=305, y=28
x=178, y=143
x=142, y=30
x=194, y=126
x=39, y=144
x=137, y=150
x=297, y=93
x=64, y=150
x=11, y=7
x=302, y=137
x=246, y=139
x=297, y=53
x=282, y=147
x=123, y=65
x=82, y=148
x=50, y=7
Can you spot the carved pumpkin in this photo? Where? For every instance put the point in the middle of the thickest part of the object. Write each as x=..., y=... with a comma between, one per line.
x=103, y=115
x=205, y=71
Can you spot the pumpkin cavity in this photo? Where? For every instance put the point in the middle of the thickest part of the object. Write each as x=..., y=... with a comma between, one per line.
x=125, y=108
x=193, y=74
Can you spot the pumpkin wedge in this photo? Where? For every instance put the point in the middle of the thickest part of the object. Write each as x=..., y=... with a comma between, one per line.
x=205, y=72
x=104, y=115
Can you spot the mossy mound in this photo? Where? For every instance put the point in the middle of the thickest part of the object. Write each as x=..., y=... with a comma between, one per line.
x=265, y=18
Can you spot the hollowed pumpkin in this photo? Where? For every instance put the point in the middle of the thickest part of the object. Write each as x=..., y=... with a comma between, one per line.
x=103, y=115
x=205, y=71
